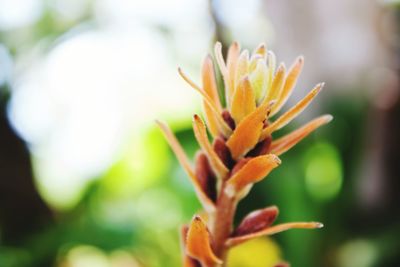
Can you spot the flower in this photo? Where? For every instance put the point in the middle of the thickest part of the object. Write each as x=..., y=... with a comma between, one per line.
x=243, y=150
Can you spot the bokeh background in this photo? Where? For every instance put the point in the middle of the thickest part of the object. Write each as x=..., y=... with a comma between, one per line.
x=86, y=179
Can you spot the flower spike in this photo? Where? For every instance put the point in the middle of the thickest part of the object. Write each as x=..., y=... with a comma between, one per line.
x=242, y=151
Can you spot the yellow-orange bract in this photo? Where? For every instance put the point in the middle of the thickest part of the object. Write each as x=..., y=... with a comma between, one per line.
x=243, y=150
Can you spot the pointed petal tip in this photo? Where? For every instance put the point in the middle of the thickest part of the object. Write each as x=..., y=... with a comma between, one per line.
x=319, y=87
x=197, y=218
x=276, y=159
x=196, y=118
x=181, y=73
x=328, y=118
x=208, y=58
x=315, y=91
x=313, y=225
x=235, y=44
x=272, y=102
x=273, y=230
x=160, y=123
x=281, y=67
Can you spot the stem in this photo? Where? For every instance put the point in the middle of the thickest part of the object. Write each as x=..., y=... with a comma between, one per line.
x=222, y=224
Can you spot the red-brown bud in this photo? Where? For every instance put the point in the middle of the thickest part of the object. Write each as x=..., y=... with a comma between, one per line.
x=228, y=119
x=222, y=151
x=261, y=148
x=205, y=176
x=256, y=221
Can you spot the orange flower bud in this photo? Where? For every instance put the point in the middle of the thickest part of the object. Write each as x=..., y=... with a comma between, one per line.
x=198, y=243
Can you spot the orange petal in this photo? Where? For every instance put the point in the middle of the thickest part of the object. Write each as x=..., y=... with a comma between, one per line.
x=283, y=144
x=206, y=97
x=261, y=49
x=201, y=135
x=253, y=171
x=242, y=68
x=198, y=243
x=247, y=133
x=231, y=64
x=233, y=241
x=277, y=84
x=243, y=100
x=257, y=220
x=223, y=127
x=209, y=81
x=259, y=79
x=292, y=113
x=184, y=161
x=271, y=62
x=187, y=261
x=220, y=59
x=254, y=62
x=290, y=83
x=211, y=119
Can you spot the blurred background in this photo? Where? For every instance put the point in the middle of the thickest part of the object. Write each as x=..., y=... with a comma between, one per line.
x=87, y=180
